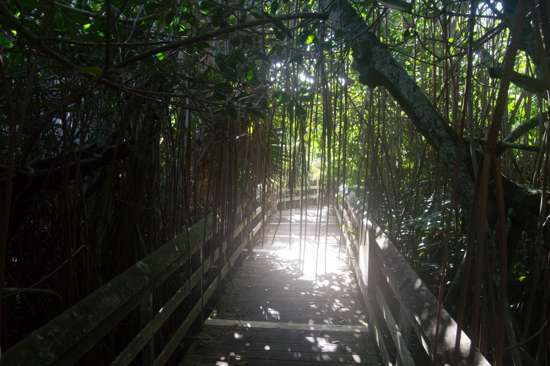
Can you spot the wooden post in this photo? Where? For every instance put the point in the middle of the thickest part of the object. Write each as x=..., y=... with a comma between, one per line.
x=145, y=316
x=414, y=344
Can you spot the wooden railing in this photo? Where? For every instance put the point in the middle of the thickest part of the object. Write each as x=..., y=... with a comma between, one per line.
x=410, y=326
x=69, y=336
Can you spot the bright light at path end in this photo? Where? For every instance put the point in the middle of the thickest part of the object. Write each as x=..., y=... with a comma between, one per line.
x=285, y=242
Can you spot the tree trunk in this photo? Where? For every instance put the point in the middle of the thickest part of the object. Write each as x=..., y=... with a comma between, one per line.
x=377, y=67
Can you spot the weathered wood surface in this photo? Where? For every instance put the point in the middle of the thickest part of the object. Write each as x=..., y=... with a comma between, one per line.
x=252, y=226
x=271, y=313
x=287, y=202
x=66, y=338
x=418, y=310
x=241, y=345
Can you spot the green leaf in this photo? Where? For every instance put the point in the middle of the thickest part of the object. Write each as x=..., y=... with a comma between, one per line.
x=5, y=42
x=310, y=38
x=94, y=70
x=249, y=74
x=204, y=8
x=160, y=56
x=274, y=7
x=232, y=19
x=86, y=26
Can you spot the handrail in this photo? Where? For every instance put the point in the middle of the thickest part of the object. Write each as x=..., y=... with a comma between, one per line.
x=398, y=301
x=69, y=336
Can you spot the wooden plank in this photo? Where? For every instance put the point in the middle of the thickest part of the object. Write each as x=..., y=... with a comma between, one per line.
x=299, y=358
x=279, y=298
x=175, y=339
x=373, y=318
x=70, y=335
x=400, y=342
x=250, y=342
x=286, y=202
x=145, y=316
x=421, y=308
x=272, y=294
x=213, y=333
x=230, y=361
x=380, y=341
x=272, y=280
x=145, y=334
x=218, y=343
x=293, y=309
x=298, y=316
x=177, y=336
x=288, y=326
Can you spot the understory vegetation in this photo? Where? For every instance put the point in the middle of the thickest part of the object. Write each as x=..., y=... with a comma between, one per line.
x=122, y=122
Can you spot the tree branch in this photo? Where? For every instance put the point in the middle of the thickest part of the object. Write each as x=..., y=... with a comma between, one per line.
x=376, y=66
x=214, y=34
x=525, y=82
x=50, y=172
x=524, y=128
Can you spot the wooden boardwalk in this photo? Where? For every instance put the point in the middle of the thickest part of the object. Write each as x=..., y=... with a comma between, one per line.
x=278, y=310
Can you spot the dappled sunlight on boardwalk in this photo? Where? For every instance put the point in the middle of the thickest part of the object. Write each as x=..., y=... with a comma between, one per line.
x=292, y=300
x=310, y=245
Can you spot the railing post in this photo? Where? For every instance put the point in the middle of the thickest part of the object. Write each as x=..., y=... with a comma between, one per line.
x=145, y=315
x=248, y=232
x=372, y=301
x=370, y=241
x=411, y=339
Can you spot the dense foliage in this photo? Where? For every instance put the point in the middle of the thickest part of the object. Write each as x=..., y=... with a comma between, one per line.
x=123, y=121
